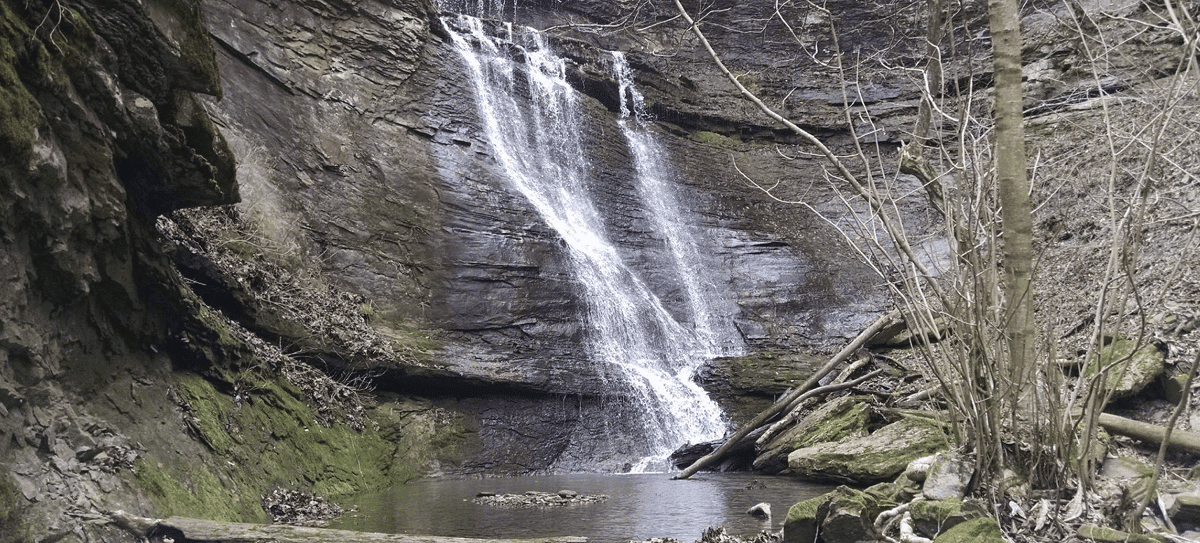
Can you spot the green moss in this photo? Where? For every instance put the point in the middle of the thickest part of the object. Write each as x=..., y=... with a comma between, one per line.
x=978, y=530
x=208, y=410
x=1134, y=369
x=12, y=515
x=271, y=439
x=422, y=434
x=936, y=511
x=845, y=417
x=194, y=491
x=19, y=112
x=804, y=519
x=710, y=138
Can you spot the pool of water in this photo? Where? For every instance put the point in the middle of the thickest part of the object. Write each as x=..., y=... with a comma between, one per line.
x=639, y=506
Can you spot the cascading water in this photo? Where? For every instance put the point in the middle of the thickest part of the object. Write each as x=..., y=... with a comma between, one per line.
x=530, y=116
x=714, y=327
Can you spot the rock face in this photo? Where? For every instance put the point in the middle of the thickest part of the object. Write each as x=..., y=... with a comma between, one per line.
x=101, y=132
x=356, y=145
x=358, y=142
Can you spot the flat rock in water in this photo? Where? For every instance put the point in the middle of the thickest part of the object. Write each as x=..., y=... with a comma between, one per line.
x=533, y=499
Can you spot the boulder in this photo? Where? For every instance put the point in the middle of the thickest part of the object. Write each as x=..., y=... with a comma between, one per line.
x=1128, y=477
x=845, y=514
x=948, y=476
x=932, y=517
x=918, y=469
x=1173, y=387
x=804, y=519
x=844, y=417
x=1135, y=366
x=1183, y=508
x=878, y=457
x=761, y=510
x=850, y=514
x=978, y=530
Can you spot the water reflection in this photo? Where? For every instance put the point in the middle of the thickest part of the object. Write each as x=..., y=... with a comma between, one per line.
x=640, y=506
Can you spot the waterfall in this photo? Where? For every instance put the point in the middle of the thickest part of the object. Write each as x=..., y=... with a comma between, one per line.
x=531, y=118
x=713, y=323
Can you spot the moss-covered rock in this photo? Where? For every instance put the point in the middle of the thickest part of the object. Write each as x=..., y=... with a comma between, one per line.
x=844, y=514
x=835, y=420
x=269, y=438
x=19, y=112
x=804, y=519
x=878, y=457
x=1132, y=368
x=932, y=517
x=744, y=386
x=978, y=530
x=847, y=516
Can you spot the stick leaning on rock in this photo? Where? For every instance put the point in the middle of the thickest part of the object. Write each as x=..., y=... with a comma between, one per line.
x=781, y=404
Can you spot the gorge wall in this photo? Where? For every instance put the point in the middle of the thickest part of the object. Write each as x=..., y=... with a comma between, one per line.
x=376, y=239
x=363, y=149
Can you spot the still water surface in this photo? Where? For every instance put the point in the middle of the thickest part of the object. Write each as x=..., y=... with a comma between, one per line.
x=639, y=506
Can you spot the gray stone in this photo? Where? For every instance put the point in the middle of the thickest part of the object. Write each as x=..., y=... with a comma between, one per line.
x=760, y=511
x=949, y=476
x=1183, y=508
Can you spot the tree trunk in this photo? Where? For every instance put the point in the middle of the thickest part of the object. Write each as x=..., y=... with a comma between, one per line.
x=1013, y=185
x=1152, y=433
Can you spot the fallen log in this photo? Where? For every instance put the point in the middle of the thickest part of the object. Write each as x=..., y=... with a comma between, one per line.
x=1186, y=441
x=782, y=404
x=211, y=531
